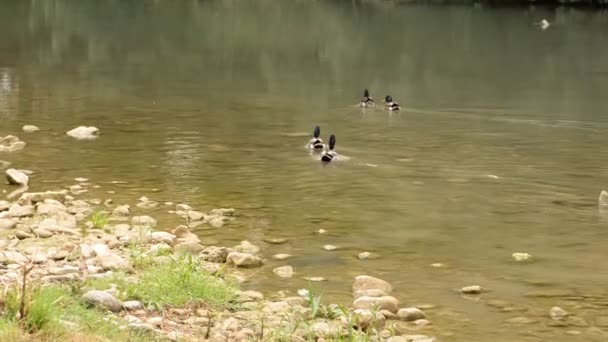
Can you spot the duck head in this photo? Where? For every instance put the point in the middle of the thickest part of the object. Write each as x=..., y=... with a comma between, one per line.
x=332, y=142
x=366, y=94
x=388, y=99
x=317, y=132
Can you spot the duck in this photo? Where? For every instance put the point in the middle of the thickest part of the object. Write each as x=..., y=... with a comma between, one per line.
x=316, y=143
x=390, y=104
x=367, y=101
x=330, y=154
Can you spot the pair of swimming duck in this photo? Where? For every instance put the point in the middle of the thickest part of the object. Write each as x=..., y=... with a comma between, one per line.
x=389, y=104
x=316, y=144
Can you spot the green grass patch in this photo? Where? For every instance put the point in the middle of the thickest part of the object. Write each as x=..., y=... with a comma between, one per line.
x=182, y=282
x=99, y=219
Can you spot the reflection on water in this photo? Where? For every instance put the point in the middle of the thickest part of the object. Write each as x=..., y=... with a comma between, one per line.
x=499, y=147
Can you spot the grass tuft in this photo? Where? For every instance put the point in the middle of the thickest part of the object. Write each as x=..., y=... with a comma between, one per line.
x=99, y=219
x=180, y=283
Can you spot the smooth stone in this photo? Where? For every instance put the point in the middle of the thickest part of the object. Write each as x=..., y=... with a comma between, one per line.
x=321, y=231
x=315, y=279
x=100, y=249
x=6, y=224
x=63, y=270
x=183, y=234
x=410, y=314
x=122, y=210
x=58, y=255
x=86, y=251
x=195, y=215
x=183, y=207
x=112, y=262
x=159, y=248
x=188, y=247
x=437, y=265
x=5, y=205
x=521, y=256
x=35, y=197
x=330, y=247
x=243, y=259
x=281, y=256
x=21, y=235
x=30, y=128
x=557, y=313
x=165, y=237
x=422, y=322
x=143, y=221
x=132, y=305
x=12, y=257
x=473, y=289
x=276, y=241
x=520, y=320
x=17, y=210
x=147, y=205
x=284, y=271
x=365, y=282
x=102, y=299
x=388, y=303
x=364, y=255
x=214, y=254
x=11, y=143
x=249, y=296
x=247, y=247
x=364, y=318
x=84, y=132
x=16, y=177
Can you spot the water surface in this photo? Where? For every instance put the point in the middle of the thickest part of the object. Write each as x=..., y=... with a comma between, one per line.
x=499, y=148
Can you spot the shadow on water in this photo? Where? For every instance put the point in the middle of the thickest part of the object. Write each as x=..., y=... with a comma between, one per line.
x=498, y=148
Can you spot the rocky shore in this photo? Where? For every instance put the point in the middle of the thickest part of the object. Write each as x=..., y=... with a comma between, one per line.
x=147, y=282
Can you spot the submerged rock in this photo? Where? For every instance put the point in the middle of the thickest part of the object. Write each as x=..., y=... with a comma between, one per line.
x=603, y=200
x=195, y=215
x=11, y=143
x=243, y=259
x=281, y=256
x=473, y=289
x=364, y=285
x=145, y=221
x=84, y=133
x=188, y=247
x=410, y=314
x=122, y=210
x=165, y=237
x=521, y=256
x=16, y=177
x=247, y=247
x=102, y=299
x=284, y=271
x=557, y=313
x=183, y=234
x=215, y=254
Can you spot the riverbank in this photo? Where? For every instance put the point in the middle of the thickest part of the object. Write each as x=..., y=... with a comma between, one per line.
x=73, y=268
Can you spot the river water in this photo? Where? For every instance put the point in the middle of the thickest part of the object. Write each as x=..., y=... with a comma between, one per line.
x=499, y=148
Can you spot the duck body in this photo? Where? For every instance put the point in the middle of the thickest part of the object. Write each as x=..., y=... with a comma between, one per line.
x=330, y=154
x=390, y=104
x=316, y=143
x=367, y=101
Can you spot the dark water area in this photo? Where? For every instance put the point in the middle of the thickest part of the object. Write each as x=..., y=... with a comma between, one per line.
x=499, y=148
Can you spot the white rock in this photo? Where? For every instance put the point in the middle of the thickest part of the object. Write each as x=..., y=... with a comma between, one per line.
x=132, y=305
x=6, y=224
x=364, y=255
x=321, y=231
x=30, y=129
x=544, y=24
x=330, y=247
x=304, y=293
x=473, y=289
x=11, y=143
x=365, y=283
x=284, y=271
x=16, y=177
x=146, y=221
x=437, y=265
x=83, y=132
x=315, y=279
x=100, y=249
x=281, y=256
x=557, y=313
x=388, y=303
x=17, y=210
x=521, y=256
x=195, y=215
x=247, y=247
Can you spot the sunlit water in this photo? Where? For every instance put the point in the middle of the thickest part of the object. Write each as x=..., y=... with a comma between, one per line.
x=500, y=148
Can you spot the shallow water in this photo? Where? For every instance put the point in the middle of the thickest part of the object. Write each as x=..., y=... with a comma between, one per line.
x=499, y=148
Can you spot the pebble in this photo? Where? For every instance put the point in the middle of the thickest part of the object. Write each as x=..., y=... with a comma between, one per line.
x=364, y=255
x=330, y=247
x=557, y=313
x=473, y=289
x=30, y=129
x=132, y=305
x=281, y=256
x=437, y=265
x=315, y=279
x=410, y=314
x=276, y=241
x=321, y=231
x=521, y=256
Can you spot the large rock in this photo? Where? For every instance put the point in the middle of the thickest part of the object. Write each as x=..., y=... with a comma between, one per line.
x=243, y=259
x=388, y=303
x=365, y=285
x=183, y=234
x=215, y=254
x=410, y=314
x=11, y=143
x=122, y=210
x=50, y=207
x=5, y=205
x=102, y=299
x=557, y=313
x=99, y=249
x=364, y=319
x=195, y=215
x=16, y=177
x=83, y=132
x=188, y=247
x=113, y=262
